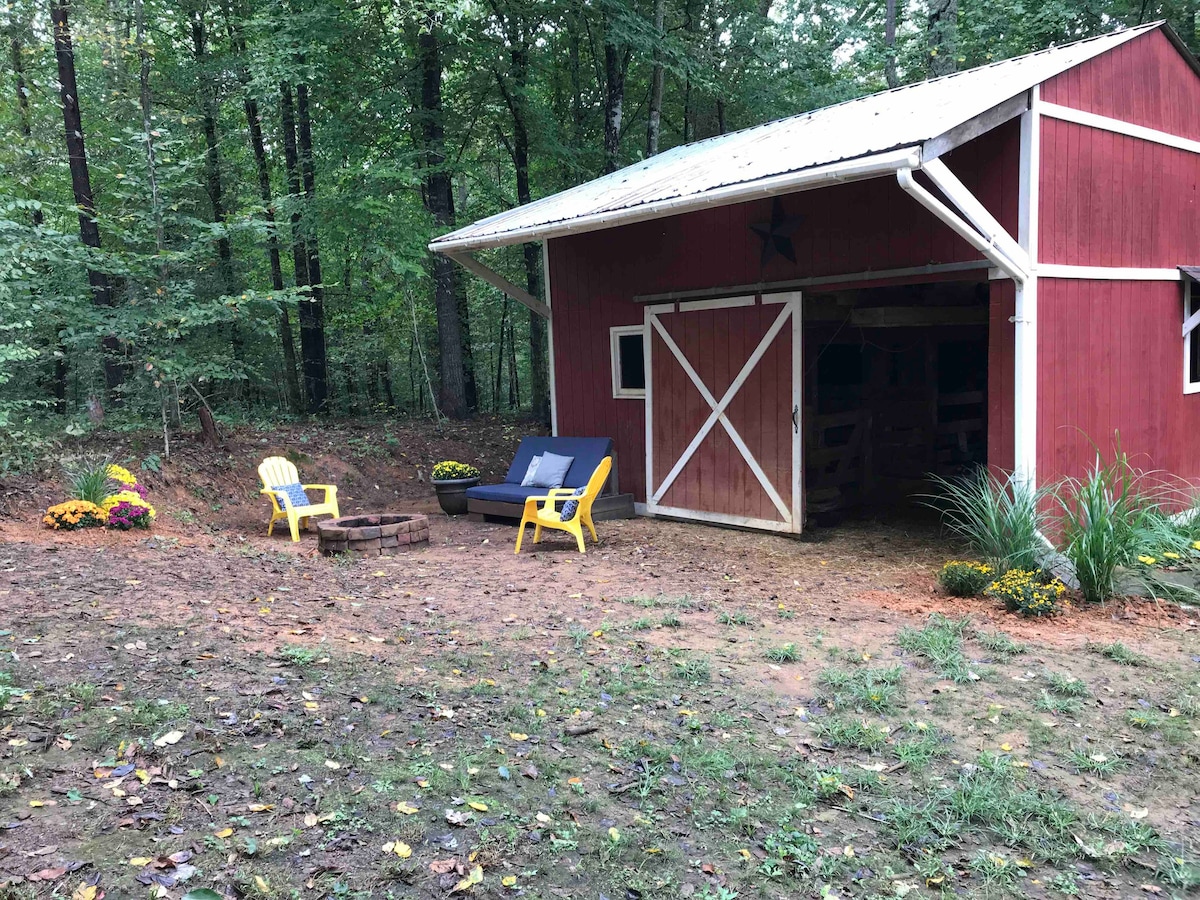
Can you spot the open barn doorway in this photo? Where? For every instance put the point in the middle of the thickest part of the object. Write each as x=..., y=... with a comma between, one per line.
x=895, y=388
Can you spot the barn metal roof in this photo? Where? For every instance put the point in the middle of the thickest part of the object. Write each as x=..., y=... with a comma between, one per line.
x=728, y=168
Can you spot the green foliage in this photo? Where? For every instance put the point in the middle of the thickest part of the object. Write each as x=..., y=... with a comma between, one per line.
x=1001, y=519
x=965, y=578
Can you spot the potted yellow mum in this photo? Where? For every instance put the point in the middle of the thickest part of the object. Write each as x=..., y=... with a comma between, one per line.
x=451, y=480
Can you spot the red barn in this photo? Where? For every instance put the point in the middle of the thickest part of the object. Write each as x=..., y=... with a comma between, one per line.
x=815, y=313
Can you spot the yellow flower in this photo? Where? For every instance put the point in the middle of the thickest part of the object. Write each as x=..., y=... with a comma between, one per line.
x=121, y=475
x=1169, y=555
x=1147, y=560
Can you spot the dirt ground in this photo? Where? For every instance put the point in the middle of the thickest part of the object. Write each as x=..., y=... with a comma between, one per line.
x=167, y=690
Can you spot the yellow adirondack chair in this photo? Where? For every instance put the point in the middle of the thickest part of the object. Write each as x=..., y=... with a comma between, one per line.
x=550, y=517
x=276, y=471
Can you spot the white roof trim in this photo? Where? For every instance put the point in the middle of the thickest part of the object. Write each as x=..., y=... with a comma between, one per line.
x=863, y=138
x=805, y=179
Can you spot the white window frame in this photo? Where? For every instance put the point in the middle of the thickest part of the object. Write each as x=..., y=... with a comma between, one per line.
x=614, y=345
x=1191, y=320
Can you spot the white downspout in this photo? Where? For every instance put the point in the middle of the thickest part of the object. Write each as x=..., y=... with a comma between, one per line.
x=1025, y=368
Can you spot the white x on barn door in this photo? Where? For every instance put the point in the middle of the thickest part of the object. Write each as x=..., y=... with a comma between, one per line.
x=736, y=363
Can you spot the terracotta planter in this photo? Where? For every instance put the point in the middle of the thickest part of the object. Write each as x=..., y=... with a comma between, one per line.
x=452, y=494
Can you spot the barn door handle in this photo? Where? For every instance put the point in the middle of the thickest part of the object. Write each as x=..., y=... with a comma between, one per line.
x=795, y=420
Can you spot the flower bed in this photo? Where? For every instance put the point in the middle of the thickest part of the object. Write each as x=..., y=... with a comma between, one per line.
x=103, y=495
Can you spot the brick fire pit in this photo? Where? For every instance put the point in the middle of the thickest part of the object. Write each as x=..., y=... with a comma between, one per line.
x=385, y=534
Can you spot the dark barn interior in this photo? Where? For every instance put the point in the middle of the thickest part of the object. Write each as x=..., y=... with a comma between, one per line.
x=895, y=388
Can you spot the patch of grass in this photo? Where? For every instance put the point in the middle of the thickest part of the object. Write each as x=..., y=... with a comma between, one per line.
x=940, y=642
x=1000, y=644
x=785, y=653
x=298, y=655
x=645, y=623
x=873, y=689
x=1119, y=654
x=1145, y=719
x=1067, y=685
x=924, y=745
x=852, y=733
x=694, y=669
x=1053, y=703
x=148, y=715
x=995, y=869
x=670, y=620
x=1095, y=762
x=734, y=618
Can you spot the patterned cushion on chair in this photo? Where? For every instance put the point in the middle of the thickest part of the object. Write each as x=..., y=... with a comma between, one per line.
x=568, y=510
x=295, y=493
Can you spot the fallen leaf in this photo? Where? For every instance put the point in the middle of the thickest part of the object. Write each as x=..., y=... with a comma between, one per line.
x=85, y=892
x=404, y=809
x=475, y=877
x=224, y=832
x=442, y=866
x=171, y=737
x=477, y=806
x=518, y=736
x=509, y=880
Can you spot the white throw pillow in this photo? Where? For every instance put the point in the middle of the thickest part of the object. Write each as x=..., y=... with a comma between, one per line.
x=531, y=472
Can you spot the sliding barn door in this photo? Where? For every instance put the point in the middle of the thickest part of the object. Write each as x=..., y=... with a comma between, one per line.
x=723, y=411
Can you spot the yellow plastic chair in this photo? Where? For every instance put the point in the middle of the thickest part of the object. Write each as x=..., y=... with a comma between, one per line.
x=550, y=517
x=275, y=471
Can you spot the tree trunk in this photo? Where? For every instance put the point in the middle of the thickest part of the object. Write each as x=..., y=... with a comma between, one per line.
x=315, y=387
x=439, y=200
x=81, y=182
x=262, y=168
x=654, y=123
x=889, y=40
x=517, y=98
x=312, y=325
x=212, y=158
x=614, y=103
x=942, y=36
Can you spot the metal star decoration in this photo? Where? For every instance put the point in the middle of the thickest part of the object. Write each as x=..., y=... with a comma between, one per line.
x=777, y=234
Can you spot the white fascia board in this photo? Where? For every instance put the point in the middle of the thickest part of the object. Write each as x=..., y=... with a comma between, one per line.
x=873, y=166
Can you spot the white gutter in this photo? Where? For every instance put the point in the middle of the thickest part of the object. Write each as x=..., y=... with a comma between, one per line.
x=988, y=244
x=806, y=179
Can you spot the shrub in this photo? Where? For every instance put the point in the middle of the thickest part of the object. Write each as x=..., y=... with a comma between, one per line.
x=965, y=579
x=999, y=518
x=449, y=470
x=89, y=480
x=1028, y=591
x=75, y=514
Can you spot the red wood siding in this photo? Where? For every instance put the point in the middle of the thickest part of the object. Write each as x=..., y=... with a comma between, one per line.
x=1110, y=358
x=1110, y=355
x=1145, y=81
x=1112, y=200
x=850, y=228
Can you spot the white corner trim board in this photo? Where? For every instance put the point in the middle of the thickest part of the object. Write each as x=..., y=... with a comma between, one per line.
x=1117, y=126
x=550, y=338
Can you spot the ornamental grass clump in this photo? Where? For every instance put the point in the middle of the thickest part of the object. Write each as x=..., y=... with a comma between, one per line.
x=449, y=470
x=75, y=514
x=1001, y=519
x=90, y=480
x=960, y=578
x=1029, y=592
x=1116, y=517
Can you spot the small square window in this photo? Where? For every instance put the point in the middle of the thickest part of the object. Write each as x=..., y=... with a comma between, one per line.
x=1191, y=338
x=628, y=361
